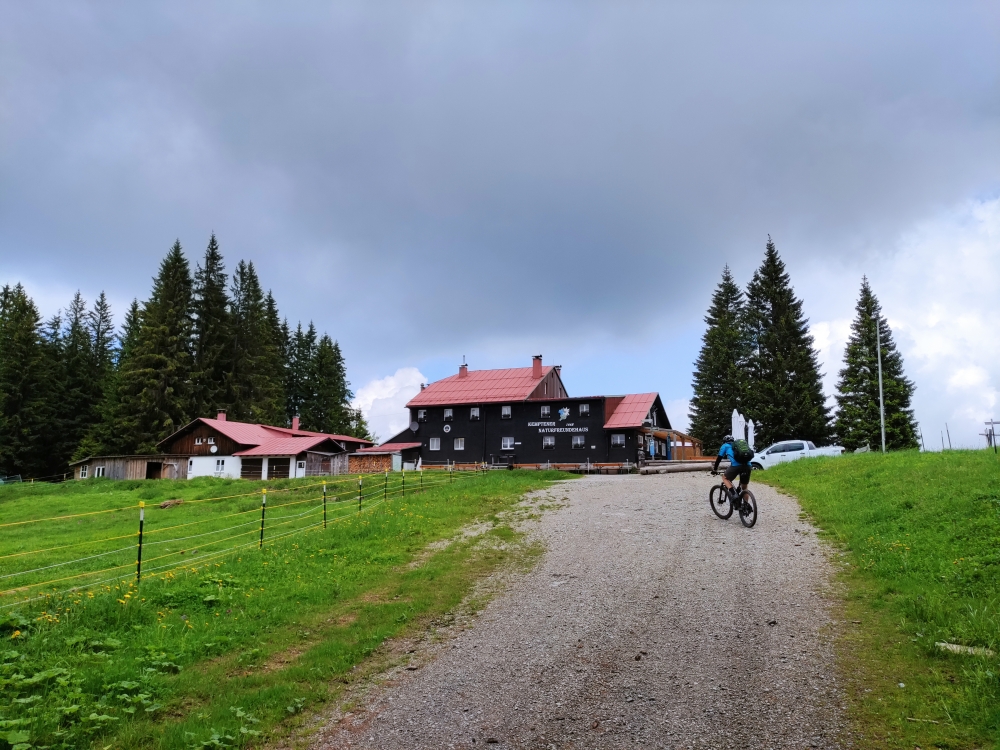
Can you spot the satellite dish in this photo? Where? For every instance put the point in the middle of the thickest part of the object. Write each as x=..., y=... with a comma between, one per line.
x=214, y=449
x=414, y=426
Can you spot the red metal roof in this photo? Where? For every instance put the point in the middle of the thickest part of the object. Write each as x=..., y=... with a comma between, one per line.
x=481, y=387
x=389, y=447
x=631, y=411
x=283, y=446
x=246, y=433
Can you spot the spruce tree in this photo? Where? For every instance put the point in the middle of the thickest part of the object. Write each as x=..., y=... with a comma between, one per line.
x=323, y=410
x=155, y=384
x=719, y=378
x=784, y=391
x=212, y=345
x=109, y=435
x=857, y=422
x=254, y=385
x=23, y=397
x=300, y=388
x=76, y=407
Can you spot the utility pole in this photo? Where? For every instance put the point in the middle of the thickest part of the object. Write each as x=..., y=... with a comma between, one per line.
x=881, y=401
x=949, y=434
x=922, y=446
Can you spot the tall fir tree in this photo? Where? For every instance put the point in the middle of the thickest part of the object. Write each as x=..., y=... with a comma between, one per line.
x=784, y=389
x=155, y=385
x=858, y=422
x=212, y=348
x=327, y=407
x=300, y=388
x=24, y=402
x=719, y=378
x=77, y=407
x=254, y=385
x=109, y=435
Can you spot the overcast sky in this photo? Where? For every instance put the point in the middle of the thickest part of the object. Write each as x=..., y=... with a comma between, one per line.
x=496, y=180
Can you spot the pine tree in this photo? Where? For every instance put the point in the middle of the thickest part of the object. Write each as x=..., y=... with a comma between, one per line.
x=76, y=407
x=300, y=388
x=109, y=435
x=212, y=335
x=719, y=378
x=784, y=390
x=155, y=385
x=858, y=423
x=23, y=398
x=323, y=410
x=254, y=385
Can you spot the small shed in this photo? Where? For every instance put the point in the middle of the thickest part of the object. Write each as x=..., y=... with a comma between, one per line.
x=158, y=466
x=386, y=457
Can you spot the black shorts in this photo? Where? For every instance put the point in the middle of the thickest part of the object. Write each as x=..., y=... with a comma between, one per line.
x=743, y=472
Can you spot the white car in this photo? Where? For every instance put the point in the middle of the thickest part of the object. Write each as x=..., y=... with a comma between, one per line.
x=791, y=450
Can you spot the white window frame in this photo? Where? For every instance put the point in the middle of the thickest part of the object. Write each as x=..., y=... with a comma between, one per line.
x=584, y=410
x=618, y=440
x=505, y=412
x=546, y=411
x=434, y=444
x=474, y=414
x=579, y=442
x=449, y=415
x=460, y=444
x=548, y=442
x=300, y=464
x=220, y=466
x=83, y=471
x=421, y=415
x=99, y=471
x=506, y=443
x=211, y=441
x=199, y=441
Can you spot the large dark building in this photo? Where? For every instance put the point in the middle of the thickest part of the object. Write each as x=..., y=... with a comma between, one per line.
x=524, y=417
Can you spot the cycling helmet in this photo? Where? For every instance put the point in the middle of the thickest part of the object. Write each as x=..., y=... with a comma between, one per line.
x=728, y=439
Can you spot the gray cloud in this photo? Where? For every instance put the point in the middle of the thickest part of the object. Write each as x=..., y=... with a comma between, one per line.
x=420, y=176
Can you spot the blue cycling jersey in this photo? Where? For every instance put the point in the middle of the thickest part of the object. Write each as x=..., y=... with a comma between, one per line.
x=726, y=451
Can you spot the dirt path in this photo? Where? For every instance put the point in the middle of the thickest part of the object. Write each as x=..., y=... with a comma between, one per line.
x=647, y=622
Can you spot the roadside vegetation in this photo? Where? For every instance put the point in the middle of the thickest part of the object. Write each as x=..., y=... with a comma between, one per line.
x=221, y=644
x=920, y=536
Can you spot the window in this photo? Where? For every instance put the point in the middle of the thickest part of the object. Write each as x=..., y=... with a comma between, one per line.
x=505, y=414
x=211, y=441
x=618, y=440
x=812, y=446
x=220, y=465
x=474, y=413
x=301, y=464
x=191, y=465
x=794, y=447
x=449, y=414
x=460, y=444
x=507, y=444
x=435, y=444
x=578, y=441
x=584, y=410
x=199, y=441
x=549, y=442
x=98, y=471
x=546, y=411
x=421, y=415
x=83, y=471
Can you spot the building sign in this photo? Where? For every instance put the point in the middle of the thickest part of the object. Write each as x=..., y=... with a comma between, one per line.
x=562, y=429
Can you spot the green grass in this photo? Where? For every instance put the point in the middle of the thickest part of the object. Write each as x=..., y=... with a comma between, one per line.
x=217, y=648
x=921, y=539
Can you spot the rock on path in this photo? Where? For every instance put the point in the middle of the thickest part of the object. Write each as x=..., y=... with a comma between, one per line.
x=648, y=622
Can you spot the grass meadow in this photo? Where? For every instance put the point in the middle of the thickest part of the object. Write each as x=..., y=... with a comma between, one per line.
x=920, y=536
x=221, y=643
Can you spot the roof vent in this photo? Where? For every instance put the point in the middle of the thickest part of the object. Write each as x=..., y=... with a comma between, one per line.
x=423, y=385
x=221, y=415
x=536, y=366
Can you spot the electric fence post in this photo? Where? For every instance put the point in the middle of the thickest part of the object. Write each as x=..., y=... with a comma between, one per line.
x=359, y=493
x=404, y=482
x=385, y=487
x=138, y=558
x=421, y=481
x=324, y=505
x=263, y=507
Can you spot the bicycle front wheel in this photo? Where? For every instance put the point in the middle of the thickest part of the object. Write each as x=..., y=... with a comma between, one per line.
x=719, y=501
x=748, y=511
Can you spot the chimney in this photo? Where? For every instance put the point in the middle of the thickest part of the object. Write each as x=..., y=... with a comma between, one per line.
x=463, y=371
x=221, y=416
x=536, y=366
x=423, y=385
x=295, y=422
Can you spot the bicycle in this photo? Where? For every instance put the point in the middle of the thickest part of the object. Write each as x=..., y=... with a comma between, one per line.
x=724, y=500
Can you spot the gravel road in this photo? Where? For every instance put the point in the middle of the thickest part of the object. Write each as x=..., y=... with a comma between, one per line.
x=648, y=622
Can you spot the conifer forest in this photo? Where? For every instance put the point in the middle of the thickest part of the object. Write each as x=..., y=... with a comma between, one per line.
x=75, y=385
x=757, y=356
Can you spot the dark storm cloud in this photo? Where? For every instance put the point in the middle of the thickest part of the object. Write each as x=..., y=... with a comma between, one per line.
x=475, y=170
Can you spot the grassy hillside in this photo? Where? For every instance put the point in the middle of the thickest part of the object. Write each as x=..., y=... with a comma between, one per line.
x=921, y=535
x=221, y=641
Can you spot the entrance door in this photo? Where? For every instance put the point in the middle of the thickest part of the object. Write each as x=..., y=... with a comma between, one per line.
x=251, y=468
x=153, y=469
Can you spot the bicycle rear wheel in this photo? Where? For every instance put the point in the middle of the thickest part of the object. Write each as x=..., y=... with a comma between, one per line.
x=748, y=510
x=719, y=501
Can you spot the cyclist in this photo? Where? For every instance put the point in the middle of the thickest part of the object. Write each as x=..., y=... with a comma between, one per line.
x=739, y=464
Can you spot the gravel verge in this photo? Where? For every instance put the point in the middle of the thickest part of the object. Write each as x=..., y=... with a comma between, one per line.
x=647, y=622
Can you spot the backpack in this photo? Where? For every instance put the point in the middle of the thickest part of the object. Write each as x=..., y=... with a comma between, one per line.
x=742, y=451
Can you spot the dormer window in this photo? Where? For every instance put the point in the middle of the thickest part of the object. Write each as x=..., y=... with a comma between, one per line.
x=504, y=412
x=421, y=415
x=474, y=414
x=584, y=410
x=449, y=414
x=546, y=411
